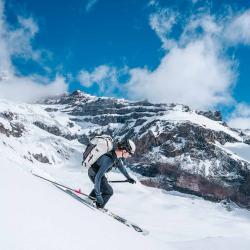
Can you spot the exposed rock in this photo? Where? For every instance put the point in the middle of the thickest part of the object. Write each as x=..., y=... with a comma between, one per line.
x=17, y=129
x=8, y=115
x=216, y=115
x=246, y=139
x=40, y=157
x=54, y=130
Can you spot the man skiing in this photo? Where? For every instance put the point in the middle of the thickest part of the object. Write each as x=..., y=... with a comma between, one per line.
x=102, y=190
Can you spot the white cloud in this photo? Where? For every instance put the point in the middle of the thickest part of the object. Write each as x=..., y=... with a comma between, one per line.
x=28, y=90
x=195, y=69
x=17, y=42
x=162, y=23
x=104, y=76
x=238, y=30
x=29, y=25
x=90, y=4
x=99, y=74
x=5, y=60
x=200, y=26
x=240, y=117
x=192, y=75
x=153, y=3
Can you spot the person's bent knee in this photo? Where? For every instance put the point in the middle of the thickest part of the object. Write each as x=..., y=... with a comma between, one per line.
x=109, y=192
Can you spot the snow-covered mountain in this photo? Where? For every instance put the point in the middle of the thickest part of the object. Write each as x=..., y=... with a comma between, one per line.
x=178, y=149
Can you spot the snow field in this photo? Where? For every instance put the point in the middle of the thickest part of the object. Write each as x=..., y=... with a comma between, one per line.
x=35, y=215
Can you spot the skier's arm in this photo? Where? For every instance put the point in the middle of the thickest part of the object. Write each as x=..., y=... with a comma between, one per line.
x=123, y=170
x=105, y=163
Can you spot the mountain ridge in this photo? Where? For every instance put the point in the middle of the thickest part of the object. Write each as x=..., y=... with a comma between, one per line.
x=177, y=148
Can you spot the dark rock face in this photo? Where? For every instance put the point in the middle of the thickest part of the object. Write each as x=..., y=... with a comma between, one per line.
x=172, y=155
x=40, y=157
x=192, y=145
x=17, y=129
x=246, y=139
x=216, y=115
x=188, y=136
x=103, y=112
x=54, y=130
x=8, y=115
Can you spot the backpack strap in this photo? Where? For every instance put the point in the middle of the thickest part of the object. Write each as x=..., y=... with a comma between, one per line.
x=111, y=155
x=87, y=151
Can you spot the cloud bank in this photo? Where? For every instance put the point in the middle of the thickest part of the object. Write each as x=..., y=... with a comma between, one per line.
x=105, y=77
x=238, y=30
x=16, y=42
x=240, y=117
x=195, y=69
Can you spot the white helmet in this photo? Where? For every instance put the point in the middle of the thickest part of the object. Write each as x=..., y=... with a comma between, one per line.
x=128, y=145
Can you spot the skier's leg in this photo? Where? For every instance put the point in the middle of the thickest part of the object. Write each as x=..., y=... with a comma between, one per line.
x=92, y=193
x=106, y=190
x=92, y=175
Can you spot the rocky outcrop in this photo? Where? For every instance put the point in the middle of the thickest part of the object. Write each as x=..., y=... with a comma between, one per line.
x=41, y=158
x=216, y=115
x=14, y=128
x=193, y=163
x=54, y=130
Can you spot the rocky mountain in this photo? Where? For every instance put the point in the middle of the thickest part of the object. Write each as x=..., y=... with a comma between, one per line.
x=177, y=148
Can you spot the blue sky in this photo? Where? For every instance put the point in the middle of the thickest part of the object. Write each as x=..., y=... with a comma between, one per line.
x=111, y=32
x=187, y=51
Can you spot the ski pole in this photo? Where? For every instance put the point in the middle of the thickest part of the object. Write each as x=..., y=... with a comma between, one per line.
x=58, y=184
x=118, y=181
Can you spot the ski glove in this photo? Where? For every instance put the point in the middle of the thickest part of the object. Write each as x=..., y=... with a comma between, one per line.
x=99, y=200
x=131, y=180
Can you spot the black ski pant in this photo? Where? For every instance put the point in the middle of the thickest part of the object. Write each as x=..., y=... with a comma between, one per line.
x=105, y=189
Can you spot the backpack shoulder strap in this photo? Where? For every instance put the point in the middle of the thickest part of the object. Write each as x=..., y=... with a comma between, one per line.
x=109, y=154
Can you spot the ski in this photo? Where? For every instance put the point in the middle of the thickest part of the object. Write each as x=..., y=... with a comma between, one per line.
x=78, y=195
x=74, y=195
x=106, y=211
x=61, y=185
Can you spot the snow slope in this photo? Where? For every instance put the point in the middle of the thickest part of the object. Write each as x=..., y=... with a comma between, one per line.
x=35, y=215
x=242, y=150
x=174, y=218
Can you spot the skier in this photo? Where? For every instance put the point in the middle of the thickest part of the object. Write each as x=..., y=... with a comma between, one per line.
x=102, y=190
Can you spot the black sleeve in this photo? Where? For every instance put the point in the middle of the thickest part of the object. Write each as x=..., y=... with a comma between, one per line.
x=123, y=170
